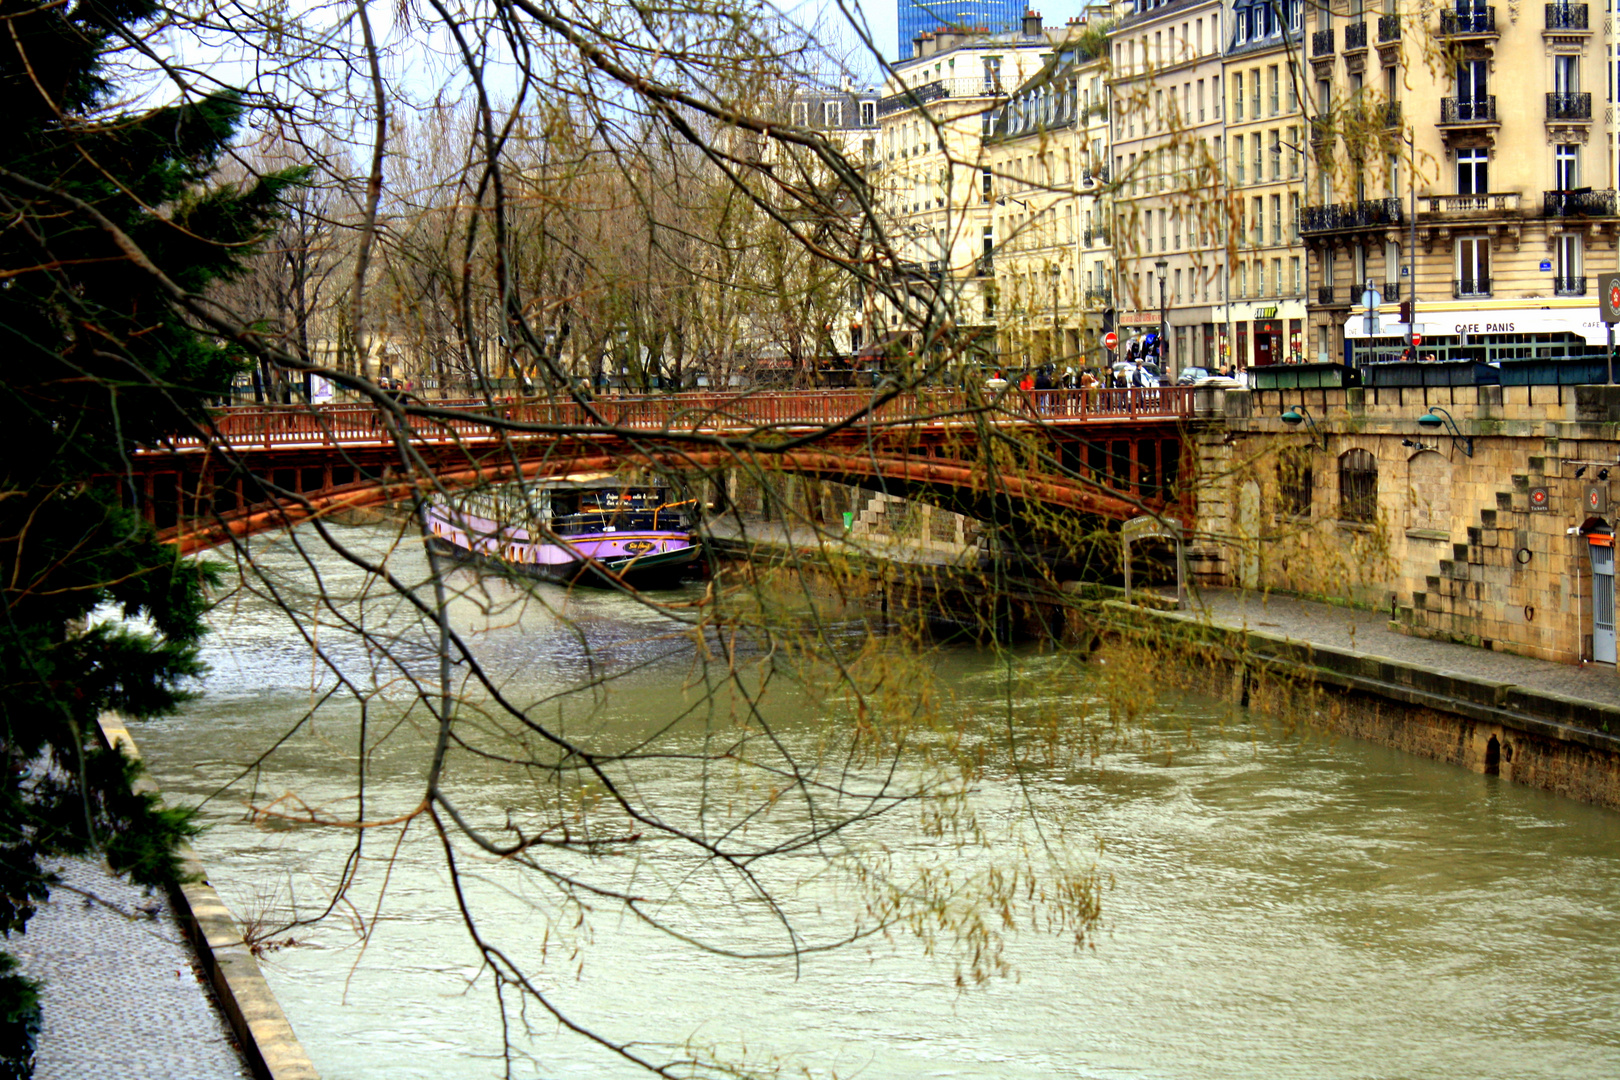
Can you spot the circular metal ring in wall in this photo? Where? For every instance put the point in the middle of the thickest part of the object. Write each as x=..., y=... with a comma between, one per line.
x=1529, y=613
x=1523, y=556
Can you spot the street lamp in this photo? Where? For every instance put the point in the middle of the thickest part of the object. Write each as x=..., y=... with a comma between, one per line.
x=1163, y=266
x=1437, y=417
x=1300, y=414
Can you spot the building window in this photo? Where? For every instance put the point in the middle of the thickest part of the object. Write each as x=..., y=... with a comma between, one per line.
x=868, y=113
x=1237, y=92
x=1473, y=90
x=1473, y=171
x=985, y=184
x=1570, y=280
x=1473, y=266
x=832, y=114
x=801, y=114
x=1566, y=74
x=1566, y=167
x=1358, y=487
x=1297, y=284
x=1294, y=483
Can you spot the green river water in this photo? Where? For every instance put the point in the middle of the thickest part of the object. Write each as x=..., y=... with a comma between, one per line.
x=1275, y=903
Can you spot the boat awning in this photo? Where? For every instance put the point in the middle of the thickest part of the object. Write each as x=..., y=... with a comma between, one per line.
x=1585, y=322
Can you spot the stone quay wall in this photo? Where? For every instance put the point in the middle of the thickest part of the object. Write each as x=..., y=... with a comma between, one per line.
x=1476, y=548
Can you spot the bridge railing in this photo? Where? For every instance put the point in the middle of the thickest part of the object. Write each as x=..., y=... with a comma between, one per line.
x=285, y=426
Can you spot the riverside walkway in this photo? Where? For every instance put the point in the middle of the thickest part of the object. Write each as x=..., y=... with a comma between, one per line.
x=1368, y=632
x=122, y=993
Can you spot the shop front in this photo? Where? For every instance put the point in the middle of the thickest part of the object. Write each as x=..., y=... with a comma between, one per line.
x=1567, y=336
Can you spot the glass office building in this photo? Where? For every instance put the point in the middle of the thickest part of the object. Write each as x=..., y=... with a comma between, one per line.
x=916, y=16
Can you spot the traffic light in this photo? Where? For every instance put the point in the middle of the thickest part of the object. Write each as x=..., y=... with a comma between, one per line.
x=1406, y=312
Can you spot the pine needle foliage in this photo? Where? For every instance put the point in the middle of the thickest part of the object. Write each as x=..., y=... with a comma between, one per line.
x=96, y=205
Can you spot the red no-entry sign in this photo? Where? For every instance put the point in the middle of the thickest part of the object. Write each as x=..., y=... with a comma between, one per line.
x=1417, y=339
x=1110, y=340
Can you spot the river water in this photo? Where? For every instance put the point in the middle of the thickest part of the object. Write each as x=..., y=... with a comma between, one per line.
x=1274, y=903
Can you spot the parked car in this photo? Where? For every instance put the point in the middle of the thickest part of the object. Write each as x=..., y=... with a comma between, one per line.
x=1192, y=376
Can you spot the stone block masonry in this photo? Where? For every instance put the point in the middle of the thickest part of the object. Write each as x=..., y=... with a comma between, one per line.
x=1438, y=530
x=1558, y=743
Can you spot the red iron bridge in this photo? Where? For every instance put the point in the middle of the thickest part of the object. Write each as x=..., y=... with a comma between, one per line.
x=1112, y=453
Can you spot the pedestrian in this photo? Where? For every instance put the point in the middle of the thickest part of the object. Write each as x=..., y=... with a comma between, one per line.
x=1043, y=389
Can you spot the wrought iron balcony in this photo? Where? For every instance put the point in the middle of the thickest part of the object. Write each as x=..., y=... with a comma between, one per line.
x=1355, y=37
x=986, y=266
x=1389, y=28
x=1322, y=42
x=1324, y=295
x=1471, y=21
x=1101, y=296
x=1361, y=215
x=1391, y=292
x=1569, y=106
x=1582, y=203
x=1569, y=286
x=1389, y=114
x=1476, y=111
x=1566, y=17
x=1463, y=287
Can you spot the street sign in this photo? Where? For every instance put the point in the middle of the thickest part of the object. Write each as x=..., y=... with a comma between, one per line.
x=1538, y=498
x=1417, y=339
x=1609, y=297
x=1546, y=265
x=1110, y=340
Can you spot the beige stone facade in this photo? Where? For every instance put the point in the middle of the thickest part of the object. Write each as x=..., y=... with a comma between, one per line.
x=1046, y=160
x=1263, y=321
x=1371, y=507
x=1494, y=118
x=936, y=110
x=1170, y=241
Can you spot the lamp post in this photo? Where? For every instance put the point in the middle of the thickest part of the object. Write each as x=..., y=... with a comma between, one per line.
x=1163, y=266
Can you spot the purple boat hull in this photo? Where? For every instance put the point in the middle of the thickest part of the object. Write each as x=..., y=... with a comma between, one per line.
x=633, y=555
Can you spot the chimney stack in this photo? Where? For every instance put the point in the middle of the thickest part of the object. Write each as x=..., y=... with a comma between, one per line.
x=1032, y=24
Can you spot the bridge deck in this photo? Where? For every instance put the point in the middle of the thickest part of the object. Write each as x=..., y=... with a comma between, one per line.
x=781, y=413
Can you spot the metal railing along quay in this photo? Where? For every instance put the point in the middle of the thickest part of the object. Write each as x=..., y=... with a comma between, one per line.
x=362, y=424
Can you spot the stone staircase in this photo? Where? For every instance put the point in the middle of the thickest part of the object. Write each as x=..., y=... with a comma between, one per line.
x=1498, y=586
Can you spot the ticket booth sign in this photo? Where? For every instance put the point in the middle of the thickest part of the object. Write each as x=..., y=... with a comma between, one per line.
x=1597, y=499
x=1539, y=499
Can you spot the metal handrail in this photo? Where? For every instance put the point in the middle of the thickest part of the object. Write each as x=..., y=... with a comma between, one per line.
x=361, y=424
